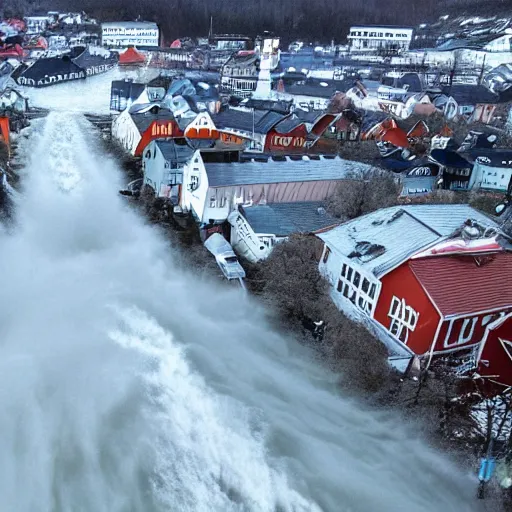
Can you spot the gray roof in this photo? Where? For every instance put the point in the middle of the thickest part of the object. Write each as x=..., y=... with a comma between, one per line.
x=251, y=173
x=287, y=218
x=143, y=121
x=384, y=239
x=240, y=120
x=178, y=154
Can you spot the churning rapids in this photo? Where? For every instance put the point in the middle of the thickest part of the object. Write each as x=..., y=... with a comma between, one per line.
x=127, y=385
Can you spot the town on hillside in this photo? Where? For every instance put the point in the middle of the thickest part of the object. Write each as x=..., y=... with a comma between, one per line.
x=387, y=156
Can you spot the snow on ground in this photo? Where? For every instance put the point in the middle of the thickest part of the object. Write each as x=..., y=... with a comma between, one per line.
x=89, y=95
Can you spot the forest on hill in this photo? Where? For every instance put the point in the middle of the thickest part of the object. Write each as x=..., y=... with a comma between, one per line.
x=320, y=20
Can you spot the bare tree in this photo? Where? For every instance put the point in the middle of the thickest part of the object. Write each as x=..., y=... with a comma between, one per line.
x=363, y=194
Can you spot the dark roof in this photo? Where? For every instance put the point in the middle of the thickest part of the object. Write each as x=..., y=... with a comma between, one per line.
x=161, y=81
x=473, y=43
x=282, y=106
x=287, y=218
x=470, y=94
x=307, y=116
x=251, y=173
x=289, y=124
x=492, y=157
x=319, y=88
x=240, y=120
x=142, y=121
x=460, y=286
x=179, y=154
x=449, y=158
x=371, y=118
x=242, y=58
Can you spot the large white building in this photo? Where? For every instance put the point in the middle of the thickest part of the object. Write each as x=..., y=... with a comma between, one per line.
x=126, y=33
x=379, y=39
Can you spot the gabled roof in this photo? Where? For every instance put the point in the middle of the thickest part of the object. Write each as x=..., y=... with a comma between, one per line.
x=260, y=120
x=143, y=121
x=318, y=88
x=492, y=157
x=292, y=171
x=466, y=285
x=384, y=239
x=470, y=94
x=472, y=43
x=284, y=219
x=178, y=154
x=288, y=124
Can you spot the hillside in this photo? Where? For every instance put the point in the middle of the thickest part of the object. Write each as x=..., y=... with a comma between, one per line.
x=322, y=20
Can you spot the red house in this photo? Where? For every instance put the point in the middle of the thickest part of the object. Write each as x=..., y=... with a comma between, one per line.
x=296, y=135
x=494, y=357
x=434, y=276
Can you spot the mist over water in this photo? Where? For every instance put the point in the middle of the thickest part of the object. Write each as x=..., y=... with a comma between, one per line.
x=127, y=385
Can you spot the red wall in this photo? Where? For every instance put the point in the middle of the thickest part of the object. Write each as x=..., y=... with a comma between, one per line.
x=499, y=362
x=161, y=129
x=289, y=142
x=478, y=332
x=402, y=284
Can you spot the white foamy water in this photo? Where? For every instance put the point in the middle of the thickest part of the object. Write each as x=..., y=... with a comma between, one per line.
x=127, y=385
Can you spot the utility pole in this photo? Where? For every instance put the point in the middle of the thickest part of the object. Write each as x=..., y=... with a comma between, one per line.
x=210, y=33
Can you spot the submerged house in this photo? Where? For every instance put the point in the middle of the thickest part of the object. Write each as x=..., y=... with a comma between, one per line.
x=431, y=275
x=45, y=72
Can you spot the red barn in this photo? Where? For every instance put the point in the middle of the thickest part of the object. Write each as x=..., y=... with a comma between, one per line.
x=433, y=278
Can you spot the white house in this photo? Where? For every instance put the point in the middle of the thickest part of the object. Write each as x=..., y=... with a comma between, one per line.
x=36, y=24
x=163, y=163
x=212, y=191
x=492, y=170
x=375, y=39
x=256, y=230
x=125, y=33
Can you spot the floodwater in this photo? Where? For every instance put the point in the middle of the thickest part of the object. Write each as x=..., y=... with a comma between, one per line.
x=127, y=385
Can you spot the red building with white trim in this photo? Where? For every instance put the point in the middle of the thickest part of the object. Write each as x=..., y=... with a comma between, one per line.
x=434, y=276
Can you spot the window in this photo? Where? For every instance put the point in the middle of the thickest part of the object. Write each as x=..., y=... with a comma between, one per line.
x=326, y=254
x=194, y=183
x=356, y=288
x=212, y=202
x=403, y=319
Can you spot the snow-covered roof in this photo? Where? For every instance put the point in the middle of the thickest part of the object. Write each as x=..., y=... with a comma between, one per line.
x=384, y=239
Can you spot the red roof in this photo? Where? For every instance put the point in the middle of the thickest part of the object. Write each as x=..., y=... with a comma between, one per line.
x=460, y=285
x=397, y=137
x=131, y=56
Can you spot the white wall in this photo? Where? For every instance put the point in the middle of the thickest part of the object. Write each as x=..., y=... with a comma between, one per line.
x=195, y=187
x=490, y=178
x=126, y=34
x=125, y=132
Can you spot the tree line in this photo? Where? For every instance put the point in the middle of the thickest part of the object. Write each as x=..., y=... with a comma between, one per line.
x=321, y=20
